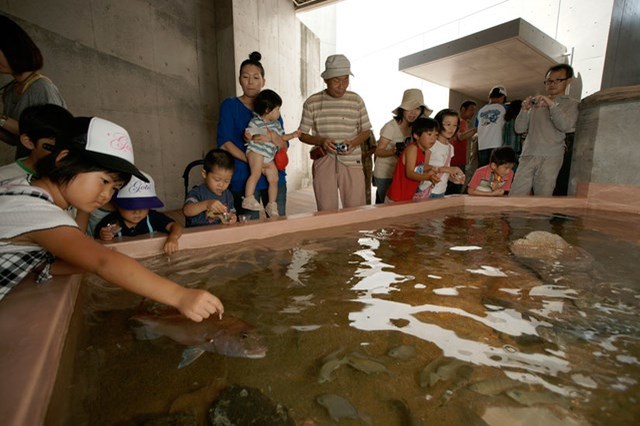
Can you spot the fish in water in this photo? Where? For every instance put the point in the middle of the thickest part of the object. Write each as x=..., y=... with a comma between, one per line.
x=448, y=371
x=402, y=352
x=331, y=364
x=340, y=408
x=365, y=364
x=494, y=386
x=530, y=398
x=427, y=372
x=228, y=335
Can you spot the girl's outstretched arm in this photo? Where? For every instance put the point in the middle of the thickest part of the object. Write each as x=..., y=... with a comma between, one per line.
x=76, y=248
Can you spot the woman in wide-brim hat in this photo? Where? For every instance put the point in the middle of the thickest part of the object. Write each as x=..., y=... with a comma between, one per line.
x=394, y=137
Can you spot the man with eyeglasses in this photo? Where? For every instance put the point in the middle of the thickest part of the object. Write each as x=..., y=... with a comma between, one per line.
x=546, y=119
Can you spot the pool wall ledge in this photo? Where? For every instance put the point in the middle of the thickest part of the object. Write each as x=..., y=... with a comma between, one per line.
x=34, y=319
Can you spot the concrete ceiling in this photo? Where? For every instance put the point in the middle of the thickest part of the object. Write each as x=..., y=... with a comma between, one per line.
x=307, y=4
x=514, y=55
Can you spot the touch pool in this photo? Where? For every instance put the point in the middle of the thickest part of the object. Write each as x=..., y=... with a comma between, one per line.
x=453, y=325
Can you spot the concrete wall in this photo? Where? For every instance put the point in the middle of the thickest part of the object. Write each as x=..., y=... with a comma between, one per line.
x=456, y=99
x=150, y=66
x=605, y=149
x=160, y=68
x=290, y=56
x=622, y=62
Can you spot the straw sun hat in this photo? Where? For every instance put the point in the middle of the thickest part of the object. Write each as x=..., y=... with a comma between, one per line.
x=412, y=99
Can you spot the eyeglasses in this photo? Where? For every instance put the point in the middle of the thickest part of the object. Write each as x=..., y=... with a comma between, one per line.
x=556, y=81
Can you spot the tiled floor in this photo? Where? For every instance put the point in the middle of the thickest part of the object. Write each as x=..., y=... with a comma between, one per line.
x=301, y=201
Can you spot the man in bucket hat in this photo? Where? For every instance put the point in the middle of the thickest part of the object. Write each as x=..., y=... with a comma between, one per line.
x=336, y=123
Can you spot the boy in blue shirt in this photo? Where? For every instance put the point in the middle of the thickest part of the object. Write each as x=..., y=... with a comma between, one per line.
x=211, y=202
x=134, y=215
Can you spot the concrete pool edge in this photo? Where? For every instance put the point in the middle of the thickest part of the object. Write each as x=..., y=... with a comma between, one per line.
x=34, y=319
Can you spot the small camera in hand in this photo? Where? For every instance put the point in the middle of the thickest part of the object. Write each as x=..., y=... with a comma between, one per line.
x=533, y=101
x=342, y=148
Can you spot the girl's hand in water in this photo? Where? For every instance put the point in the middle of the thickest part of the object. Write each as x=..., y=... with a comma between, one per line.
x=198, y=305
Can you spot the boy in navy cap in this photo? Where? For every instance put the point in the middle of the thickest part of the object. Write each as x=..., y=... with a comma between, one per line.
x=134, y=215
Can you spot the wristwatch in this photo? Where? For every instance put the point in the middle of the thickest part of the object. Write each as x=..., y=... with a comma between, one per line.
x=3, y=119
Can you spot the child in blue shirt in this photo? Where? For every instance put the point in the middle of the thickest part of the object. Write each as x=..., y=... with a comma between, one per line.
x=211, y=202
x=134, y=215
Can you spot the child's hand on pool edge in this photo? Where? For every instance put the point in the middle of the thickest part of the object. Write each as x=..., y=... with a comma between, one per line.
x=198, y=305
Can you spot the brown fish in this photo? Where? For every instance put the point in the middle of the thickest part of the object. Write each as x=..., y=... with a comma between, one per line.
x=228, y=336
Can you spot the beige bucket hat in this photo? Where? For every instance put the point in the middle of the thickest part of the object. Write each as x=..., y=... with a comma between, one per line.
x=336, y=66
x=412, y=99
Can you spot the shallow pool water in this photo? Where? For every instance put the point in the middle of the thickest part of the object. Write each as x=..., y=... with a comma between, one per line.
x=453, y=327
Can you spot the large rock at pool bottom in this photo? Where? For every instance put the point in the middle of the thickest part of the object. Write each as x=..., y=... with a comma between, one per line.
x=555, y=260
x=543, y=245
x=242, y=405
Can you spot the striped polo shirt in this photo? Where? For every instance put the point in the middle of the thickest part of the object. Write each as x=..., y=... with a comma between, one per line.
x=338, y=118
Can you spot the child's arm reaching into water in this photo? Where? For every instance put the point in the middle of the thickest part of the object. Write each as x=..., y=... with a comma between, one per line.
x=75, y=248
x=171, y=244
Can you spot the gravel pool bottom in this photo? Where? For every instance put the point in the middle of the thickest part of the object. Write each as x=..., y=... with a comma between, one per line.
x=429, y=319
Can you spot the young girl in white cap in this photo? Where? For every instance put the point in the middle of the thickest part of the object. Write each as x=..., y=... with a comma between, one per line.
x=134, y=215
x=84, y=172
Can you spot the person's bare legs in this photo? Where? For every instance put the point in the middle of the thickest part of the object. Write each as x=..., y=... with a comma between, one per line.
x=271, y=173
x=256, y=163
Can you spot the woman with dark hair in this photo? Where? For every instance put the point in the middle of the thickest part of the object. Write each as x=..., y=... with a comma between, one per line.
x=235, y=114
x=21, y=58
x=394, y=137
